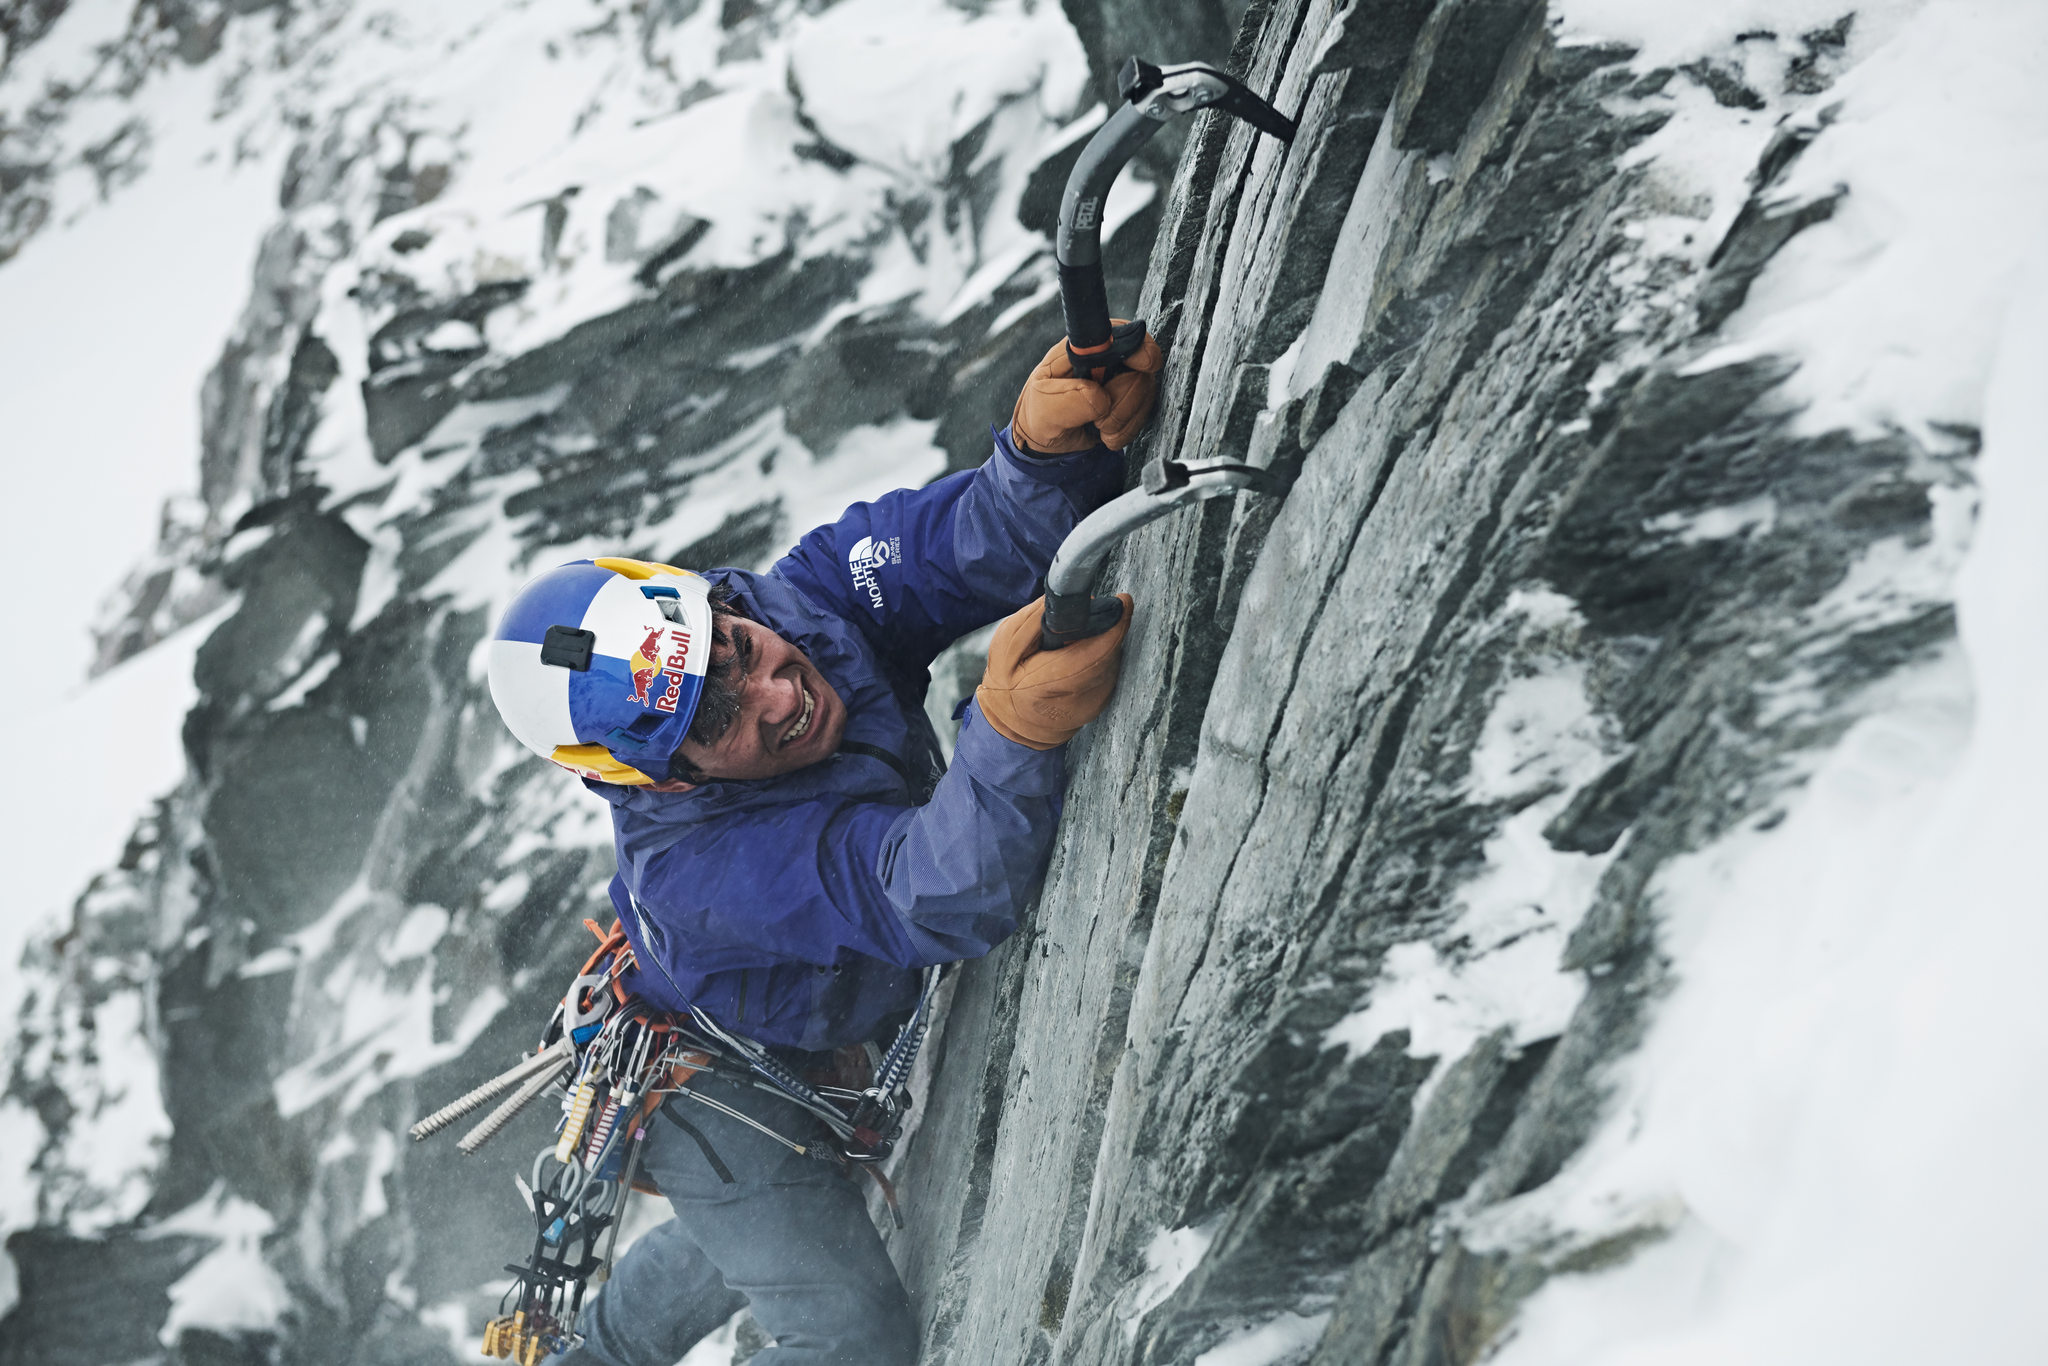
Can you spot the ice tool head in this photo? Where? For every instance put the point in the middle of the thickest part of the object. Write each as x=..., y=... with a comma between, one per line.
x=598, y=665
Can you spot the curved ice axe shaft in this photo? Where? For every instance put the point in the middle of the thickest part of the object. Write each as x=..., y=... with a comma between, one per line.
x=1151, y=94
x=1072, y=611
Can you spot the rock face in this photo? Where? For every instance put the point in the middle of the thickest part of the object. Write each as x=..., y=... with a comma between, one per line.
x=1550, y=603
x=1353, y=905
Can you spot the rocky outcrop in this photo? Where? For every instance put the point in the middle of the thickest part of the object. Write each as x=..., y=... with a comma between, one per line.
x=1556, y=596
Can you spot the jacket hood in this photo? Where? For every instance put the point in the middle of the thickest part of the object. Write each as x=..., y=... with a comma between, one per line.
x=860, y=677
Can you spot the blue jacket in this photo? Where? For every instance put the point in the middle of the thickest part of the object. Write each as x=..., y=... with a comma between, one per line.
x=798, y=910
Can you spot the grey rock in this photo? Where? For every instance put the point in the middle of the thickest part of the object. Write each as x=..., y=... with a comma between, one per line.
x=1813, y=69
x=85, y=1300
x=1279, y=797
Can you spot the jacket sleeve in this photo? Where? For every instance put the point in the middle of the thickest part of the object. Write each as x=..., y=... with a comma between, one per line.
x=910, y=886
x=918, y=568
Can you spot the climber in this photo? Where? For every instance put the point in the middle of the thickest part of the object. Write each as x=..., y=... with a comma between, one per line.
x=791, y=849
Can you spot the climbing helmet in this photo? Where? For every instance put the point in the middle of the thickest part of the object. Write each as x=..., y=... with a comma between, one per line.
x=598, y=665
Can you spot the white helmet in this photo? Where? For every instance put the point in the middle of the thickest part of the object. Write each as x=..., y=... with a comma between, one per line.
x=598, y=665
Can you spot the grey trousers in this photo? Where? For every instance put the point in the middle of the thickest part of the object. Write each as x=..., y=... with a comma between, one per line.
x=788, y=1236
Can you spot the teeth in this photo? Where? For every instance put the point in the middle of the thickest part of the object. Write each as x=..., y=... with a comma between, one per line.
x=803, y=723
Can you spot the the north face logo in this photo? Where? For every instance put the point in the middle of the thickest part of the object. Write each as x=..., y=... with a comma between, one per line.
x=868, y=555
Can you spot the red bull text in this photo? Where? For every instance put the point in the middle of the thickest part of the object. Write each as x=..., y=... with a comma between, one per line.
x=648, y=663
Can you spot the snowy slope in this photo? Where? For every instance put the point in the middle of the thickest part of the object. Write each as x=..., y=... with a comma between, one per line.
x=1837, y=1101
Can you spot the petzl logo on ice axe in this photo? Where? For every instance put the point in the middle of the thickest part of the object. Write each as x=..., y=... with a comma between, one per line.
x=1151, y=94
x=1097, y=350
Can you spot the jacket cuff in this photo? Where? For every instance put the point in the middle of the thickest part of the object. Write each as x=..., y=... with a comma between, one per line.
x=1053, y=469
x=990, y=757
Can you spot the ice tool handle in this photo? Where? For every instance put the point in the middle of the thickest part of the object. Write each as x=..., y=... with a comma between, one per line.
x=1151, y=94
x=1072, y=611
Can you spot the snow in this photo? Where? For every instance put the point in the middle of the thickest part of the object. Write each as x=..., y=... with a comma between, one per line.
x=895, y=84
x=1754, y=516
x=453, y=335
x=101, y=396
x=1495, y=966
x=312, y=676
x=101, y=390
x=1170, y=1258
x=51, y=855
x=21, y=1133
x=417, y=934
x=1943, y=154
x=865, y=63
x=1282, y=1341
x=381, y=1030
x=1833, y=1123
x=232, y=1289
x=1670, y=32
x=119, y=1135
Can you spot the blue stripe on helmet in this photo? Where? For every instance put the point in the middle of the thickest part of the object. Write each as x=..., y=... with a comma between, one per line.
x=598, y=697
x=557, y=598
x=601, y=705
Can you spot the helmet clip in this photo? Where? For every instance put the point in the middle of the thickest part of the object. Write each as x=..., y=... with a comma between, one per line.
x=567, y=647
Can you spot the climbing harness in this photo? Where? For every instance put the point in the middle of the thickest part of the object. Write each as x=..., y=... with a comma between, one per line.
x=618, y=1063
x=1098, y=348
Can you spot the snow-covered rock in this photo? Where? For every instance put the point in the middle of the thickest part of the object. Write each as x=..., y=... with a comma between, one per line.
x=1443, y=953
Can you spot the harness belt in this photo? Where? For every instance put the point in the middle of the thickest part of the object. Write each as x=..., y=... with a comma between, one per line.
x=616, y=1062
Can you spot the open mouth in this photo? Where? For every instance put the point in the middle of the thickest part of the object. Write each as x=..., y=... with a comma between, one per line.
x=803, y=722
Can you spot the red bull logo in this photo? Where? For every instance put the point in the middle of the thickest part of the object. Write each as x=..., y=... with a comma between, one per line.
x=652, y=663
x=645, y=666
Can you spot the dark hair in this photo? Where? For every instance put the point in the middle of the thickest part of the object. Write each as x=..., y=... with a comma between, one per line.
x=718, y=706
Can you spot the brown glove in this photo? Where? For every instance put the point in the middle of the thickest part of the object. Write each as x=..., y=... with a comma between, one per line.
x=1058, y=413
x=1041, y=697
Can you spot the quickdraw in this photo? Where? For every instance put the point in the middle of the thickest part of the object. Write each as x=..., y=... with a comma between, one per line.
x=617, y=1062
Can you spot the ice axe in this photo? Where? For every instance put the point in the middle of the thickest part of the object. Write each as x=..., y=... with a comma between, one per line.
x=1150, y=95
x=1072, y=611
x=1097, y=349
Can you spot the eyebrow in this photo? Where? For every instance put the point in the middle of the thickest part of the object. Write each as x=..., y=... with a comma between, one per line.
x=742, y=660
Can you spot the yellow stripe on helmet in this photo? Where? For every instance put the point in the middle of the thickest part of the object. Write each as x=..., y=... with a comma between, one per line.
x=637, y=569
x=595, y=761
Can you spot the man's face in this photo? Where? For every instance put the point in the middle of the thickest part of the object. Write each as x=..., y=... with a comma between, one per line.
x=789, y=717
